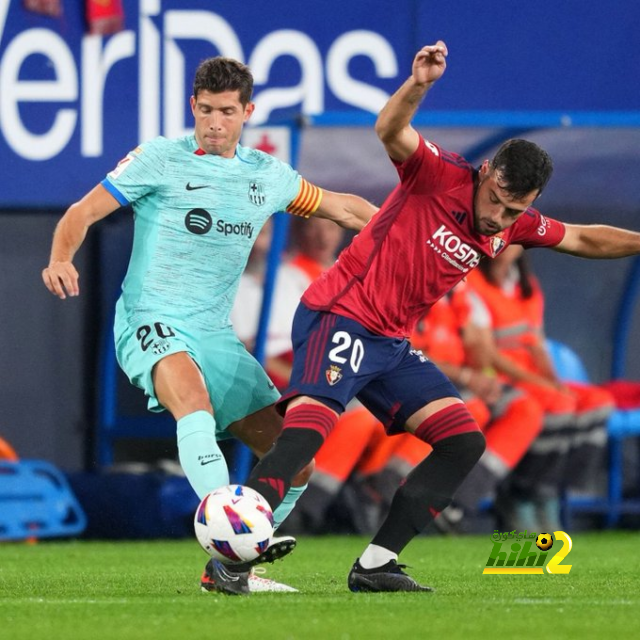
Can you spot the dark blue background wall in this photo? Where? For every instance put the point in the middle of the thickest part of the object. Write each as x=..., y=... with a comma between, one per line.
x=108, y=94
x=90, y=100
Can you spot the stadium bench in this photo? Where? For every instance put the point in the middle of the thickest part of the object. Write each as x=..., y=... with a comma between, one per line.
x=623, y=423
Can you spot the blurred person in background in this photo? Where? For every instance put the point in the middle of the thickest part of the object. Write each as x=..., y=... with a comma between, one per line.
x=569, y=450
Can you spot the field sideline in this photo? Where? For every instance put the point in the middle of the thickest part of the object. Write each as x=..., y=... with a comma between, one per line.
x=138, y=590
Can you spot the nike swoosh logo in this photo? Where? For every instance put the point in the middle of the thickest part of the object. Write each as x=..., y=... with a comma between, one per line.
x=190, y=187
x=226, y=575
x=203, y=462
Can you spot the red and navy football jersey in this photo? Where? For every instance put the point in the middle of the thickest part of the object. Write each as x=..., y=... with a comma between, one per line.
x=418, y=246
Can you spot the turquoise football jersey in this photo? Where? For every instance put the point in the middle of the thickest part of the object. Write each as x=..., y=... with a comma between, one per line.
x=196, y=218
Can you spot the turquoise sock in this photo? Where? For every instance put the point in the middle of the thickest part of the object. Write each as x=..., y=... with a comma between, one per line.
x=200, y=456
x=286, y=506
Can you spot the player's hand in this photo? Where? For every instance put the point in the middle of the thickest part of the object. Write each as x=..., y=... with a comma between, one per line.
x=430, y=63
x=61, y=278
x=487, y=388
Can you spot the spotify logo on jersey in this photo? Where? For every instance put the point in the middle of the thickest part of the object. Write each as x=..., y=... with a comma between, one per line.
x=198, y=221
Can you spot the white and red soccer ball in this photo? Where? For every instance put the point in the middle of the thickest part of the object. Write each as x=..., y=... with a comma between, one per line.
x=234, y=523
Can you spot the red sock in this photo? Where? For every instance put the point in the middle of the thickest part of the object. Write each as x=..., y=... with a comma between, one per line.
x=453, y=420
x=305, y=429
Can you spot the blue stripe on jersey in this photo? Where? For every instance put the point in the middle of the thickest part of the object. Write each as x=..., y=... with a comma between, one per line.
x=114, y=192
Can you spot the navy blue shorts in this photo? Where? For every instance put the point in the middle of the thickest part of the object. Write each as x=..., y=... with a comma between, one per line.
x=337, y=359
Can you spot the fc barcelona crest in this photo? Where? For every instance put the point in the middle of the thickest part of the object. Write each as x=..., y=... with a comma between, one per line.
x=256, y=193
x=333, y=374
x=160, y=346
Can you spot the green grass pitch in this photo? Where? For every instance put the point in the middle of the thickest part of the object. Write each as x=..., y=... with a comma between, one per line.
x=137, y=590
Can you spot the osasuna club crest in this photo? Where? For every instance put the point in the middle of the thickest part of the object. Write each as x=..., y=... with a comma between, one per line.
x=333, y=374
x=256, y=193
x=497, y=245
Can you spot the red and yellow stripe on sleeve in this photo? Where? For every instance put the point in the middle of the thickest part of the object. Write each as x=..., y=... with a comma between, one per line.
x=307, y=201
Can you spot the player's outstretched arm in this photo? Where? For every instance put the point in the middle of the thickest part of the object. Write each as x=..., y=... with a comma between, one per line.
x=347, y=210
x=599, y=241
x=61, y=277
x=393, y=125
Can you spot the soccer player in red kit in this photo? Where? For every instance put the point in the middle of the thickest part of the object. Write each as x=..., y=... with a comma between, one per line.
x=350, y=330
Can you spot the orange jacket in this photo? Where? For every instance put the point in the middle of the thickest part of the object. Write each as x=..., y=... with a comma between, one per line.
x=439, y=333
x=517, y=322
x=7, y=452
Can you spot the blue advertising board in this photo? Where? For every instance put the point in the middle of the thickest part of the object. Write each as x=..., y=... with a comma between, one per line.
x=71, y=104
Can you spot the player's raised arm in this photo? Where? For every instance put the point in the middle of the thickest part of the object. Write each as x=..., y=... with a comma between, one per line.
x=598, y=241
x=393, y=125
x=61, y=277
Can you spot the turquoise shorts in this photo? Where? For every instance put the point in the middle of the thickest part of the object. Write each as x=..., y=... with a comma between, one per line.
x=238, y=386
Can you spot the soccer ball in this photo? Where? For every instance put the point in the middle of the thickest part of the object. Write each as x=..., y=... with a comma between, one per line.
x=233, y=524
x=544, y=541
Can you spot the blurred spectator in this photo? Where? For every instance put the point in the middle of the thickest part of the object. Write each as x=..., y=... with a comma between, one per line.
x=569, y=449
x=245, y=314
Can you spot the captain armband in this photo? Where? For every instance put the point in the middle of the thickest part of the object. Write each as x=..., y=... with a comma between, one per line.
x=306, y=203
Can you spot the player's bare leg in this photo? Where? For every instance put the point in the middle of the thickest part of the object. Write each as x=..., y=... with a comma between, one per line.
x=180, y=388
x=259, y=431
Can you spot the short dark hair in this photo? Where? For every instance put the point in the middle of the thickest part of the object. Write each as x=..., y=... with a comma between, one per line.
x=224, y=74
x=523, y=167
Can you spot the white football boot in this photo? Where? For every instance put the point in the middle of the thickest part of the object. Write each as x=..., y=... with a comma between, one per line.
x=260, y=584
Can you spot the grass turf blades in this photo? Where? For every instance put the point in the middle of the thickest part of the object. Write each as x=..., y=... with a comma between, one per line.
x=150, y=589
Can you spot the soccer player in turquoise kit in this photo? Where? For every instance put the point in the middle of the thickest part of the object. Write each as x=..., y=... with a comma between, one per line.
x=199, y=203
x=350, y=330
